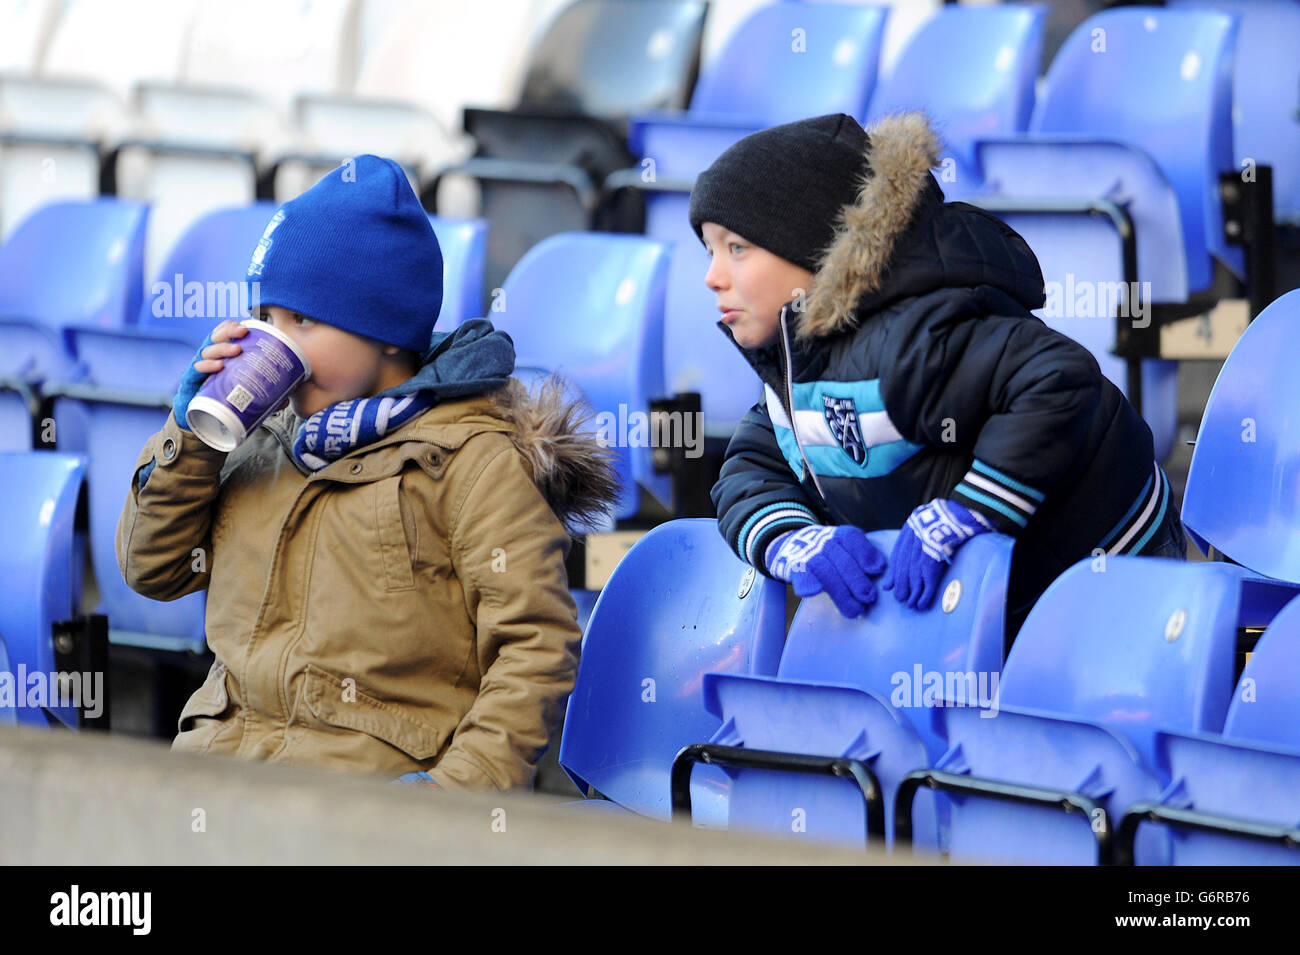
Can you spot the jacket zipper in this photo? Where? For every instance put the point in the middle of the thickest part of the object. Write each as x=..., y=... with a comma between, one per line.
x=787, y=382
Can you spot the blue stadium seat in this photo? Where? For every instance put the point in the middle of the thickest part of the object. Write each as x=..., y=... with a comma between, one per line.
x=1111, y=653
x=464, y=255
x=1137, y=109
x=990, y=58
x=591, y=306
x=1240, y=494
x=38, y=576
x=1265, y=80
x=791, y=60
x=678, y=605
x=1134, y=117
x=1249, y=774
x=857, y=689
x=130, y=377
x=67, y=263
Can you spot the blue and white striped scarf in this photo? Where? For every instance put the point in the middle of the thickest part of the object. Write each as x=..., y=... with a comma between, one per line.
x=344, y=426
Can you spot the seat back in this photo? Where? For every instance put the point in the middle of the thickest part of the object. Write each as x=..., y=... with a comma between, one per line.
x=203, y=279
x=1241, y=495
x=680, y=604
x=464, y=255
x=990, y=58
x=75, y=262
x=37, y=576
x=68, y=263
x=1134, y=644
x=591, y=306
x=1265, y=80
x=1160, y=80
x=953, y=648
x=789, y=55
x=610, y=58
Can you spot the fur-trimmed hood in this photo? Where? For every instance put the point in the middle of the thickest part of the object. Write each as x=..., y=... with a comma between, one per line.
x=571, y=468
x=900, y=239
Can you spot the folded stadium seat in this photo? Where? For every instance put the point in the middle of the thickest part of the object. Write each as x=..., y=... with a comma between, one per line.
x=1234, y=799
x=59, y=118
x=590, y=306
x=131, y=376
x=990, y=58
x=1110, y=654
x=38, y=570
x=757, y=81
x=464, y=252
x=202, y=137
x=1265, y=78
x=854, y=698
x=70, y=262
x=539, y=166
x=678, y=605
x=1240, y=496
x=406, y=104
x=1117, y=182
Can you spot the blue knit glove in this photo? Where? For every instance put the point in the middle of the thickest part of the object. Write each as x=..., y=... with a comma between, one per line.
x=834, y=560
x=190, y=384
x=926, y=543
x=416, y=779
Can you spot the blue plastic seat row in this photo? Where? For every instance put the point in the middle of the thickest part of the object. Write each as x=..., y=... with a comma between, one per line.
x=1119, y=653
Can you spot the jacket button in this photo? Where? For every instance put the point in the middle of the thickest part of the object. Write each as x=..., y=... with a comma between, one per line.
x=433, y=458
x=169, y=449
x=356, y=467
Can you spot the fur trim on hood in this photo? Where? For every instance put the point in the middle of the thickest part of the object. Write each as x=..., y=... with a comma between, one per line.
x=903, y=148
x=571, y=468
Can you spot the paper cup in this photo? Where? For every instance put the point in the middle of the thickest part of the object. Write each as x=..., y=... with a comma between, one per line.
x=234, y=401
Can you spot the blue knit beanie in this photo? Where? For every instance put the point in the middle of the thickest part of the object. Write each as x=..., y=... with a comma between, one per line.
x=355, y=251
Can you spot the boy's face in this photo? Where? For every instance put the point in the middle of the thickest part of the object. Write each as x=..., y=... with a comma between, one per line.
x=343, y=365
x=751, y=285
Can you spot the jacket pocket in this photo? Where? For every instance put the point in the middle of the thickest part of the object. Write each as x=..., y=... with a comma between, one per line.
x=340, y=704
x=210, y=700
x=394, y=548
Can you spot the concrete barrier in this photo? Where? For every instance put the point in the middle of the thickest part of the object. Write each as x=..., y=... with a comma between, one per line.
x=83, y=799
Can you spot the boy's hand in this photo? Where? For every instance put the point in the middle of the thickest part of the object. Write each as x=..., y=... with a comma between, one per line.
x=925, y=544
x=208, y=360
x=416, y=779
x=835, y=560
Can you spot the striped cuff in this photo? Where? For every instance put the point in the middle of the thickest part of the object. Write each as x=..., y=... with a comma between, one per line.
x=765, y=525
x=1006, y=502
x=1143, y=518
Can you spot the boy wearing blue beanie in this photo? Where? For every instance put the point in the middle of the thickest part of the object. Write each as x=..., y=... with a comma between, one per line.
x=384, y=557
x=907, y=384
